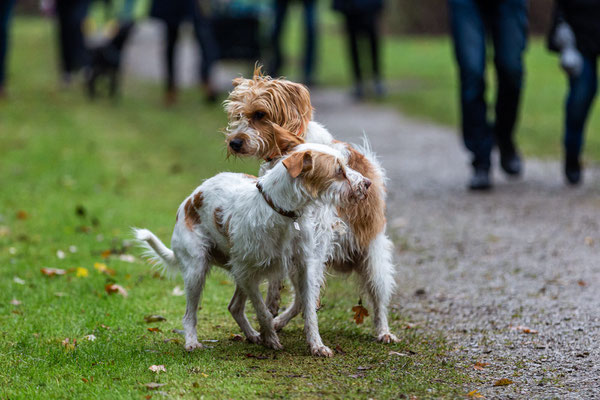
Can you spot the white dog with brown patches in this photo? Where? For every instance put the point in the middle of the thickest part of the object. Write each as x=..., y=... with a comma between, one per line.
x=254, y=108
x=257, y=228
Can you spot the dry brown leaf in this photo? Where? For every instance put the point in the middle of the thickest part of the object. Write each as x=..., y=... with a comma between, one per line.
x=69, y=344
x=154, y=329
x=154, y=318
x=114, y=288
x=480, y=365
x=582, y=283
x=22, y=215
x=524, y=329
x=105, y=254
x=236, y=338
x=503, y=382
x=359, y=314
x=53, y=271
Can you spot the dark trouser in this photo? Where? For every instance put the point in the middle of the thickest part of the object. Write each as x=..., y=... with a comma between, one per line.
x=5, y=17
x=358, y=25
x=579, y=101
x=506, y=21
x=71, y=14
x=208, y=49
x=281, y=7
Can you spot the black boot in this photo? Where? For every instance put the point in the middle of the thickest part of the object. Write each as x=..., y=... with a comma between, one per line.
x=573, y=169
x=510, y=160
x=480, y=180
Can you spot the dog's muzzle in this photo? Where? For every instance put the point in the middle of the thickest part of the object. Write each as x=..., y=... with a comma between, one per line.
x=236, y=144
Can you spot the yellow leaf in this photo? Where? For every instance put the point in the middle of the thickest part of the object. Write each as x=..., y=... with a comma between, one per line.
x=81, y=272
x=503, y=382
x=475, y=394
x=100, y=267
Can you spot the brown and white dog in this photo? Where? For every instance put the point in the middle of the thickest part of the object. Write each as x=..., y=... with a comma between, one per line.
x=267, y=118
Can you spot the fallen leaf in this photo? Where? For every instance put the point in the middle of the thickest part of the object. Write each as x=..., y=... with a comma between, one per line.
x=588, y=240
x=475, y=394
x=22, y=215
x=105, y=254
x=154, y=329
x=395, y=353
x=480, y=365
x=360, y=313
x=154, y=318
x=100, y=267
x=15, y=302
x=105, y=327
x=154, y=385
x=69, y=344
x=157, y=368
x=177, y=291
x=60, y=254
x=338, y=349
x=503, y=382
x=236, y=338
x=81, y=272
x=524, y=329
x=258, y=357
x=114, y=288
x=90, y=337
x=582, y=283
x=18, y=280
x=85, y=380
x=53, y=271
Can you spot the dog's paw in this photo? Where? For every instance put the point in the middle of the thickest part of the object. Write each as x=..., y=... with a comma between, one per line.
x=321, y=351
x=271, y=342
x=193, y=346
x=387, y=338
x=253, y=338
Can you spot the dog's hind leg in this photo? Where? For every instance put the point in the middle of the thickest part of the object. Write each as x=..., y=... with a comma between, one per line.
x=237, y=307
x=195, y=269
x=377, y=275
x=285, y=317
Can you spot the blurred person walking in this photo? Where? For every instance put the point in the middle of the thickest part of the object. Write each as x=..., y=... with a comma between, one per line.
x=362, y=23
x=506, y=21
x=173, y=13
x=6, y=7
x=576, y=35
x=73, y=53
x=310, y=29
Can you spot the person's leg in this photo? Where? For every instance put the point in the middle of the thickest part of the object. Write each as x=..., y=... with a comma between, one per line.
x=582, y=91
x=79, y=12
x=172, y=33
x=208, y=52
x=509, y=32
x=280, y=7
x=372, y=31
x=468, y=34
x=310, y=26
x=62, y=12
x=5, y=17
x=352, y=30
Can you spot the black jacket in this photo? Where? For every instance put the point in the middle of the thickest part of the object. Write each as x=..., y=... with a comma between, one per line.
x=583, y=16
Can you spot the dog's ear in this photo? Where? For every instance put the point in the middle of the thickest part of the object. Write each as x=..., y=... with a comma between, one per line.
x=297, y=95
x=285, y=141
x=237, y=81
x=298, y=163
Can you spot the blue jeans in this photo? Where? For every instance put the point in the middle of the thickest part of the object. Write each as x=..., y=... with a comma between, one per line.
x=281, y=7
x=582, y=90
x=506, y=22
x=6, y=7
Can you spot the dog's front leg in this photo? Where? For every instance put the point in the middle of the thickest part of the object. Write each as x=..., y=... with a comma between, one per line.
x=268, y=335
x=236, y=308
x=307, y=277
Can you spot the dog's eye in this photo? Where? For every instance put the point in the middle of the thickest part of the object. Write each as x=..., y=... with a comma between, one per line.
x=339, y=171
x=258, y=115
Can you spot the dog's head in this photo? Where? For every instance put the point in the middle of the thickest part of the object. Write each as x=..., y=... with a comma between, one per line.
x=325, y=174
x=260, y=110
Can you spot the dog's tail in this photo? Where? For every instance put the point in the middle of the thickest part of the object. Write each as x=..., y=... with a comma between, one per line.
x=155, y=250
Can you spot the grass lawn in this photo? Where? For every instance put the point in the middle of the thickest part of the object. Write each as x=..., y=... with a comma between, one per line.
x=422, y=78
x=74, y=177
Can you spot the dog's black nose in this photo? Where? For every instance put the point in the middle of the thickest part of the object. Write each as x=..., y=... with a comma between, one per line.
x=236, y=144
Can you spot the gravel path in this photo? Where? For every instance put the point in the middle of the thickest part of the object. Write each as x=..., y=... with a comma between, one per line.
x=483, y=269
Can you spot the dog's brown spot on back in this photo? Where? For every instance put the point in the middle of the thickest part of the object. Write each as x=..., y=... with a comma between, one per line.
x=191, y=210
x=221, y=225
x=367, y=217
